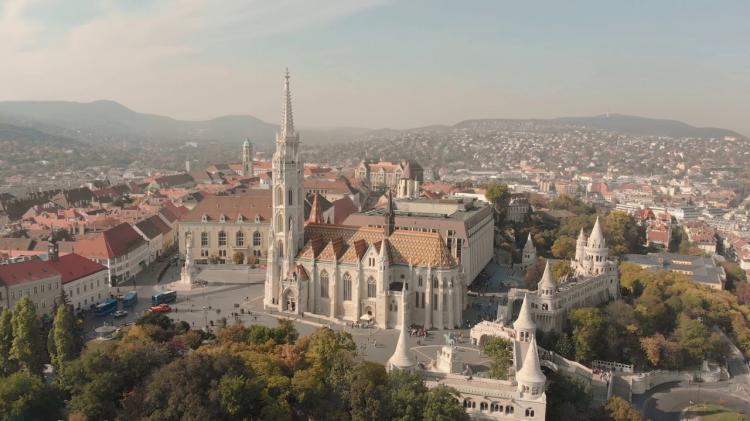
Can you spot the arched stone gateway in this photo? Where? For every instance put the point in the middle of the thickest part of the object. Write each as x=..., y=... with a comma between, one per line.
x=289, y=301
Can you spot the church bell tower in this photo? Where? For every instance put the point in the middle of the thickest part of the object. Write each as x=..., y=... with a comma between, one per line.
x=287, y=227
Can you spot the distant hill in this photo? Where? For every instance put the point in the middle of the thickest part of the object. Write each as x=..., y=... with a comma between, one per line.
x=110, y=121
x=648, y=126
x=107, y=120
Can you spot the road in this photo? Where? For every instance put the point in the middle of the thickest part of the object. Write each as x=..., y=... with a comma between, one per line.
x=668, y=401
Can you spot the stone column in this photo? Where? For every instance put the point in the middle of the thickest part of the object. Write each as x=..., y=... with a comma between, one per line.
x=438, y=321
x=333, y=291
x=428, y=302
x=451, y=309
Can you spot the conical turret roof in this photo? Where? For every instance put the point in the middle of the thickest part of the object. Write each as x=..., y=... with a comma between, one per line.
x=546, y=282
x=531, y=371
x=596, y=239
x=581, y=236
x=529, y=243
x=525, y=320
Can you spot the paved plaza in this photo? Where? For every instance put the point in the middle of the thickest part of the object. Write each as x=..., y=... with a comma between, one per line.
x=224, y=297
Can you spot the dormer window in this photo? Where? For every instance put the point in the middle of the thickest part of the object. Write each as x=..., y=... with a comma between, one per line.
x=240, y=219
x=222, y=218
x=204, y=218
x=257, y=218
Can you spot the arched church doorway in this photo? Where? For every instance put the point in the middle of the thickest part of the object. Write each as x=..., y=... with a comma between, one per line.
x=289, y=301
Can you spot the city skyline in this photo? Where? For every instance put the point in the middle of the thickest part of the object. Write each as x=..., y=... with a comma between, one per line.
x=382, y=63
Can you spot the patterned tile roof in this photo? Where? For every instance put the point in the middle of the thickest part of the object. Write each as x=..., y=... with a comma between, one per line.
x=348, y=244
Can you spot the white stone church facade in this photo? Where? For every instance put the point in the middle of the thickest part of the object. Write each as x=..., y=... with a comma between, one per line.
x=352, y=273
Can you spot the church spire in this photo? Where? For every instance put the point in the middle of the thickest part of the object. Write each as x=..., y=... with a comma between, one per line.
x=287, y=119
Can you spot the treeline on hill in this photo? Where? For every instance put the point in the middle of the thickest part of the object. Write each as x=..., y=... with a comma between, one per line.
x=664, y=321
x=160, y=370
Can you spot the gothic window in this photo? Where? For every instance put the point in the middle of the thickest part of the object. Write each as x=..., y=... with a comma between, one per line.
x=256, y=239
x=370, y=287
x=483, y=406
x=423, y=300
x=434, y=301
x=434, y=281
x=279, y=196
x=281, y=248
x=347, y=287
x=279, y=223
x=204, y=239
x=239, y=240
x=222, y=239
x=417, y=304
x=529, y=412
x=290, y=194
x=419, y=281
x=458, y=249
x=324, y=284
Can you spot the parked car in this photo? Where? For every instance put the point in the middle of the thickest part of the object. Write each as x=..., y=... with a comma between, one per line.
x=120, y=313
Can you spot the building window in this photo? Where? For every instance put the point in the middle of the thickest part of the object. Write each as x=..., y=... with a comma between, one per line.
x=434, y=281
x=204, y=253
x=445, y=301
x=279, y=223
x=289, y=197
x=222, y=239
x=279, y=197
x=371, y=287
x=204, y=239
x=417, y=297
x=240, y=239
x=434, y=301
x=347, y=287
x=256, y=239
x=324, y=284
x=458, y=249
x=423, y=300
x=223, y=253
x=529, y=412
x=35, y=290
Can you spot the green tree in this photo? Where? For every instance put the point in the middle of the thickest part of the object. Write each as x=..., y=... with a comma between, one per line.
x=408, y=396
x=619, y=409
x=561, y=269
x=588, y=325
x=368, y=392
x=241, y=397
x=24, y=396
x=65, y=344
x=501, y=356
x=443, y=405
x=28, y=347
x=564, y=247
x=496, y=192
x=7, y=365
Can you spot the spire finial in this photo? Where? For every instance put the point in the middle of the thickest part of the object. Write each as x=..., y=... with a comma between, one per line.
x=287, y=120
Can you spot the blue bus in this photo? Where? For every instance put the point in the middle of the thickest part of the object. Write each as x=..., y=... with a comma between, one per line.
x=164, y=297
x=105, y=307
x=129, y=299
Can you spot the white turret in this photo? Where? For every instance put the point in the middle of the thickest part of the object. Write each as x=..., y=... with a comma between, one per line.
x=581, y=247
x=530, y=378
x=596, y=239
x=402, y=358
x=524, y=324
x=529, y=254
x=596, y=251
x=546, y=286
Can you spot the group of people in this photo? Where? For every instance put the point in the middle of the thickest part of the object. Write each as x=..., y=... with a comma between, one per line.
x=419, y=332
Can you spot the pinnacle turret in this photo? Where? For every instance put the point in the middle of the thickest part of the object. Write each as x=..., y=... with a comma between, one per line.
x=287, y=118
x=530, y=375
x=546, y=284
x=402, y=358
x=596, y=239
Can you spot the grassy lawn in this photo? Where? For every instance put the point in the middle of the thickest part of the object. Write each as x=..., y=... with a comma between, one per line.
x=710, y=412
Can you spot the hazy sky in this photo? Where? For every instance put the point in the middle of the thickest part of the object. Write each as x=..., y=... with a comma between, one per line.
x=377, y=63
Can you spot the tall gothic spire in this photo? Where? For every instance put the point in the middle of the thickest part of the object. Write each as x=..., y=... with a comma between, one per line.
x=287, y=119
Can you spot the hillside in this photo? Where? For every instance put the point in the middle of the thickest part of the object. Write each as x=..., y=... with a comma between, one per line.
x=648, y=126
